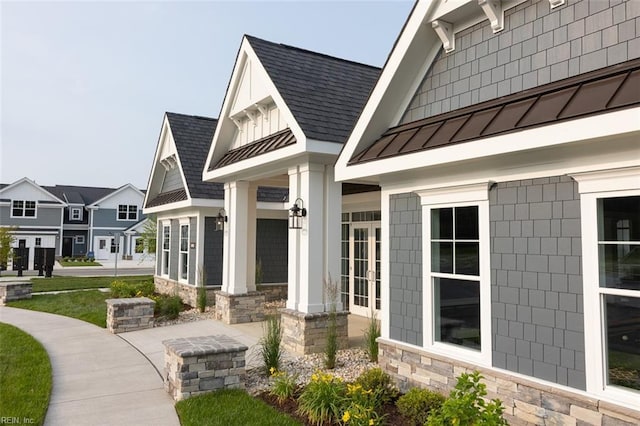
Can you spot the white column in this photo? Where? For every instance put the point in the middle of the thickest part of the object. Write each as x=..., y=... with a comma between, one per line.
x=238, y=270
x=314, y=250
x=199, y=248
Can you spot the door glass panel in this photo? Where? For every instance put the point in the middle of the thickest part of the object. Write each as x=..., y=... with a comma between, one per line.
x=360, y=267
x=344, y=265
x=623, y=340
x=377, y=295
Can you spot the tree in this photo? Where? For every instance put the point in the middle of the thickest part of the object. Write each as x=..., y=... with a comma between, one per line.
x=149, y=234
x=6, y=242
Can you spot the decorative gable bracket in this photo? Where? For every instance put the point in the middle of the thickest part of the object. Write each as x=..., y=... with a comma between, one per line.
x=169, y=162
x=445, y=32
x=263, y=110
x=495, y=13
x=556, y=3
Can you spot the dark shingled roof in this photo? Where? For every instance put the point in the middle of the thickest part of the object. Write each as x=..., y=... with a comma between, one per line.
x=193, y=136
x=588, y=94
x=325, y=94
x=85, y=195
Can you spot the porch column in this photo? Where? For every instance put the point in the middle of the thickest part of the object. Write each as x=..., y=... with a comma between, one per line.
x=239, y=244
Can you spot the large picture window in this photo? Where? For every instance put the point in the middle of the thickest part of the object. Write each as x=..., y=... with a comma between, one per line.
x=166, y=239
x=455, y=269
x=619, y=288
x=184, y=252
x=22, y=208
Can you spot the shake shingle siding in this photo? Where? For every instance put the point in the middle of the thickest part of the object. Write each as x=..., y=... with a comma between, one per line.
x=536, y=279
x=405, y=259
x=537, y=46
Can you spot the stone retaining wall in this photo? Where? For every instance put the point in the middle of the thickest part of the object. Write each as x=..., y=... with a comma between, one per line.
x=240, y=308
x=307, y=333
x=526, y=402
x=129, y=314
x=15, y=291
x=197, y=365
x=188, y=293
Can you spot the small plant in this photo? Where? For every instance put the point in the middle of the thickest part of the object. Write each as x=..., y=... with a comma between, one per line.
x=362, y=404
x=331, y=348
x=370, y=335
x=417, y=404
x=466, y=405
x=201, y=298
x=259, y=274
x=322, y=399
x=270, y=344
x=284, y=385
x=381, y=383
x=168, y=307
x=120, y=289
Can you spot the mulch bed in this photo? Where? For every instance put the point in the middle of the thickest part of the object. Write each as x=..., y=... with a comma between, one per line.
x=290, y=407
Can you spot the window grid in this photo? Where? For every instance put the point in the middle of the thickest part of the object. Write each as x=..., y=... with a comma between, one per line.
x=184, y=251
x=166, y=238
x=23, y=208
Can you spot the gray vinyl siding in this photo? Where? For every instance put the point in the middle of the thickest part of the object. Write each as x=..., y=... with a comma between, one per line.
x=212, y=252
x=405, y=265
x=45, y=217
x=536, y=279
x=193, y=238
x=537, y=46
x=174, y=249
x=108, y=218
x=272, y=241
x=172, y=180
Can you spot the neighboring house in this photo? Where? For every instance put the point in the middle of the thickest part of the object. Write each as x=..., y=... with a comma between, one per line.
x=506, y=139
x=286, y=115
x=187, y=209
x=75, y=221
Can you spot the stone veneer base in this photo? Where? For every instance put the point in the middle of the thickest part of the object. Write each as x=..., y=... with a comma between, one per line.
x=198, y=365
x=129, y=314
x=15, y=291
x=304, y=333
x=240, y=308
x=526, y=402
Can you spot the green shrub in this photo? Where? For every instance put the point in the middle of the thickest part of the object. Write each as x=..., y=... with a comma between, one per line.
x=322, y=399
x=283, y=385
x=122, y=289
x=377, y=380
x=331, y=348
x=370, y=335
x=201, y=300
x=168, y=307
x=466, y=406
x=416, y=404
x=361, y=405
x=270, y=344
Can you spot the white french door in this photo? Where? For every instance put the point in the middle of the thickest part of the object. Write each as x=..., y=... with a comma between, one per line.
x=364, y=269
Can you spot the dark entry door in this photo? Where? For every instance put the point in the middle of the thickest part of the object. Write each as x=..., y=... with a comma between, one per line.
x=67, y=247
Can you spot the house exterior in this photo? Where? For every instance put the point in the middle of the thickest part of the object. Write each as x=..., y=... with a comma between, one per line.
x=187, y=210
x=72, y=221
x=286, y=115
x=505, y=137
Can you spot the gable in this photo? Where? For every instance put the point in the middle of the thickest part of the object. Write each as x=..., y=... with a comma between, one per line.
x=25, y=189
x=127, y=195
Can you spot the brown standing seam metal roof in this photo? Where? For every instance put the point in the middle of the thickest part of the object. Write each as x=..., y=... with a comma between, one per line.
x=268, y=144
x=168, y=197
x=597, y=92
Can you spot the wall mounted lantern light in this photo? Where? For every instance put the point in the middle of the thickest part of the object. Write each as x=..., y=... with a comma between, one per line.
x=221, y=219
x=296, y=213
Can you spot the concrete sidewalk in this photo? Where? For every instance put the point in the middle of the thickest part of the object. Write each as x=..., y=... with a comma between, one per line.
x=98, y=378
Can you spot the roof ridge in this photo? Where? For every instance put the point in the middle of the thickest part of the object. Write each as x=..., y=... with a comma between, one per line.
x=202, y=117
x=325, y=55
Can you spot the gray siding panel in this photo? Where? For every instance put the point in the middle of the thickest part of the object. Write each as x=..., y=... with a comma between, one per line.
x=537, y=317
x=537, y=46
x=212, y=252
x=272, y=242
x=45, y=217
x=172, y=180
x=405, y=263
x=108, y=218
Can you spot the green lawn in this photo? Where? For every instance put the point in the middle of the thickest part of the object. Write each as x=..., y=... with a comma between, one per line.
x=78, y=263
x=76, y=283
x=25, y=376
x=88, y=306
x=229, y=407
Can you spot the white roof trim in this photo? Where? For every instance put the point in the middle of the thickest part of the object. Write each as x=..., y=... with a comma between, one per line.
x=111, y=194
x=35, y=185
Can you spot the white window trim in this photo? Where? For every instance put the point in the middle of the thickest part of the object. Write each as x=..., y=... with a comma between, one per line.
x=127, y=219
x=593, y=186
x=79, y=239
x=163, y=250
x=458, y=196
x=73, y=210
x=181, y=252
x=24, y=208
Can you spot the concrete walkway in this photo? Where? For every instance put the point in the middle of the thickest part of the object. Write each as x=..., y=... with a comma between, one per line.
x=98, y=378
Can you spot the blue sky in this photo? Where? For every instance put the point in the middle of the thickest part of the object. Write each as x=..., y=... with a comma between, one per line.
x=84, y=85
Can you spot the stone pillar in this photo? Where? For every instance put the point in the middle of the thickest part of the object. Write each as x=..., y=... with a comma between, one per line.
x=129, y=314
x=307, y=333
x=15, y=291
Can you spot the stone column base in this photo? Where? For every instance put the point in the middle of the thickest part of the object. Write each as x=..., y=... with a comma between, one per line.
x=307, y=333
x=240, y=308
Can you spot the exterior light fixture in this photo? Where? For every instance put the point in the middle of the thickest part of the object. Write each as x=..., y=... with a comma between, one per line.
x=296, y=213
x=221, y=219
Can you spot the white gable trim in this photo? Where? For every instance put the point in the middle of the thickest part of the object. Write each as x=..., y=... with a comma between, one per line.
x=117, y=191
x=223, y=136
x=36, y=186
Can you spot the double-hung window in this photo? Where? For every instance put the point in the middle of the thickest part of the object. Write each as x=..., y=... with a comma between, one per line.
x=127, y=212
x=166, y=239
x=457, y=292
x=184, y=252
x=23, y=208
